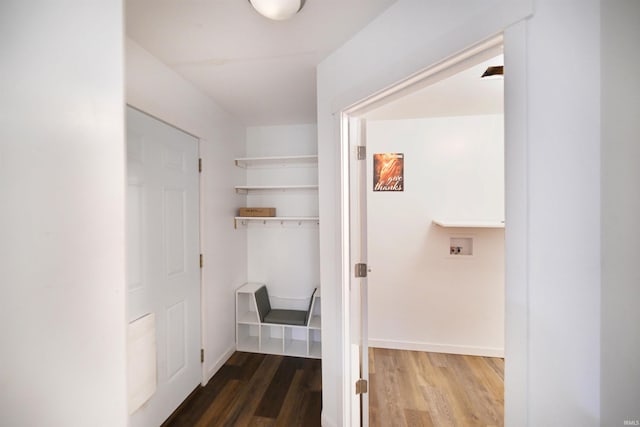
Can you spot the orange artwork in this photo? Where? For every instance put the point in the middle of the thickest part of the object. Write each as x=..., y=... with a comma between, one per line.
x=388, y=172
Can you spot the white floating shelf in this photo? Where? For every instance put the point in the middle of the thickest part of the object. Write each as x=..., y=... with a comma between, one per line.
x=243, y=220
x=250, y=162
x=244, y=189
x=469, y=224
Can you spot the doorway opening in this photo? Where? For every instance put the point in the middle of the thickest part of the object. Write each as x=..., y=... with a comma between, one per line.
x=434, y=246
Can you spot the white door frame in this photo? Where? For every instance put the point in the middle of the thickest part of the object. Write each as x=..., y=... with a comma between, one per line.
x=513, y=41
x=356, y=352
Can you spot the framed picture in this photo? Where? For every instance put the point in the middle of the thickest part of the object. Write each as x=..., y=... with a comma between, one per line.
x=388, y=172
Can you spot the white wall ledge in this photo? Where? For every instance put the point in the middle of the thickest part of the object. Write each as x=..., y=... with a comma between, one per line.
x=468, y=224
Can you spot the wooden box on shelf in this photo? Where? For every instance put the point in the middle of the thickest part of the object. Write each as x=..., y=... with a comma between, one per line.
x=257, y=212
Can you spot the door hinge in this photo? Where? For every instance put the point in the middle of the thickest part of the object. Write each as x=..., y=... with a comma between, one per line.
x=362, y=152
x=199, y=165
x=201, y=261
x=361, y=386
x=361, y=269
x=202, y=355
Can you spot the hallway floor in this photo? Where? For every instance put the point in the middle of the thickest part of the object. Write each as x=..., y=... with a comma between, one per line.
x=256, y=390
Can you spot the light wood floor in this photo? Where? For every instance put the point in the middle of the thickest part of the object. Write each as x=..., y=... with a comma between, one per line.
x=410, y=388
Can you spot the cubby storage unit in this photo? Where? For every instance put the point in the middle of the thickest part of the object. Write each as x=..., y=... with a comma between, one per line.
x=291, y=340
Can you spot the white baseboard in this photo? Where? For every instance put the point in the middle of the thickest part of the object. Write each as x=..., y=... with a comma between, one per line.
x=438, y=348
x=211, y=371
x=325, y=422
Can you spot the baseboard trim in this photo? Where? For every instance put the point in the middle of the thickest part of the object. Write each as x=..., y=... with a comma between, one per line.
x=325, y=422
x=211, y=371
x=438, y=348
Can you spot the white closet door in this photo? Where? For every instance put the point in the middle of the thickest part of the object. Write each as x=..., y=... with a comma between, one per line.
x=163, y=249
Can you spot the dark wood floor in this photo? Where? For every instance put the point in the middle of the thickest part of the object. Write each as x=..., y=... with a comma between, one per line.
x=411, y=388
x=256, y=390
x=407, y=388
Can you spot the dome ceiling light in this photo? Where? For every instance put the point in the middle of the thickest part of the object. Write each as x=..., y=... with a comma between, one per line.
x=278, y=10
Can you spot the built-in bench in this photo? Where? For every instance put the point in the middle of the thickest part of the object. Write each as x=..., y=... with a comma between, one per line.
x=261, y=328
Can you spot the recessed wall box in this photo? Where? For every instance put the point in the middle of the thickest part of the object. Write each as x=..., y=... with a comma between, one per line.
x=461, y=246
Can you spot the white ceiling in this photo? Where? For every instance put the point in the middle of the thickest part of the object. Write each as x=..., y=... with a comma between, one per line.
x=259, y=70
x=462, y=94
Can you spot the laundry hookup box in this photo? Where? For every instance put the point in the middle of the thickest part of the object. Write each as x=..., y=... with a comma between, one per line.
x=259, y=212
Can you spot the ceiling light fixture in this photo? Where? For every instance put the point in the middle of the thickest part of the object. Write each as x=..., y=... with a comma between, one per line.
x=278, y=10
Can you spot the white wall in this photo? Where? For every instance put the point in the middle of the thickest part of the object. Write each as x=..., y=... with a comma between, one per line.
x=408, y=37
x=564, y=207
x=620, y=362
x=62, y=181
x=554, y=302
x=155, y=89
x=421, y=297
x=284, y=256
